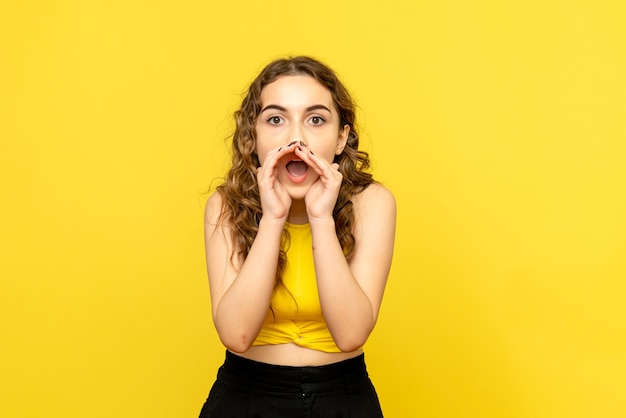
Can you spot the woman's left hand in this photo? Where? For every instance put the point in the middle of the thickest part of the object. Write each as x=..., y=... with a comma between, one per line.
x=321, y=198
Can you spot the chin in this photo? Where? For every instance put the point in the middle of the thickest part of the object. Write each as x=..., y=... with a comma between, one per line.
x=298, y=193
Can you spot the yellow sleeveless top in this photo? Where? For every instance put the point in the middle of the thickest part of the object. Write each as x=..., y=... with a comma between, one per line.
x=297, y=314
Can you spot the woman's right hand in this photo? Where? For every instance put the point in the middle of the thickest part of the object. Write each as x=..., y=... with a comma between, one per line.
x=275, y=200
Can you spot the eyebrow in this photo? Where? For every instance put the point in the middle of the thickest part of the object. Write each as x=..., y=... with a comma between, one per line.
x=308, y=109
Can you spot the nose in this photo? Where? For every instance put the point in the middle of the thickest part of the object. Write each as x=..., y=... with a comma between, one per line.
x=297, y=134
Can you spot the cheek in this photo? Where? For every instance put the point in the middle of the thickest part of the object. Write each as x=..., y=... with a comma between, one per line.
x=261, y=151
x=329, y=148
x=265, y=143
x=330, y=157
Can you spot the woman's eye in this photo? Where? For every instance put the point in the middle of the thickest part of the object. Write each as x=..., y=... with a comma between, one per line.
x=317, y=120
x=275, y=120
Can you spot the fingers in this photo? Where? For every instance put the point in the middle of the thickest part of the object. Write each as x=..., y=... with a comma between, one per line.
x=322, y=167
x=272, y=158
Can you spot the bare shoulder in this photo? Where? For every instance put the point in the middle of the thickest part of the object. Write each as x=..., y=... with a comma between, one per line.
x=374, y=235
x=213, y=209
x=376, y=200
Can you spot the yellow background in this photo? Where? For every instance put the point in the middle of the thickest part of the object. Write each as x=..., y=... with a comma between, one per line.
x=499, y=125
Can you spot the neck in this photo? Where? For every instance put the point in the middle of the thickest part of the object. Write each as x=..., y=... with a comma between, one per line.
x=297, y=213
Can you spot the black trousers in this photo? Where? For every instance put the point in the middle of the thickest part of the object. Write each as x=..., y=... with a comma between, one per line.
x=249, y=389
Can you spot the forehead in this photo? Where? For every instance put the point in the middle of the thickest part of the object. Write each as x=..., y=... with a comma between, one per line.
x=296, y=91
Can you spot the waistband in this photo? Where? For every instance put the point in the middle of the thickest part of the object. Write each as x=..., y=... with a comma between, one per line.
x=253, y=374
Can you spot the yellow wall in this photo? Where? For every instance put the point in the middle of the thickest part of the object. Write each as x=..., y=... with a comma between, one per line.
x=499, y=125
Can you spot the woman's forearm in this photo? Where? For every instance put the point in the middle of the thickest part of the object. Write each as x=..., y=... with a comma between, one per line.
x=346, y=307
x=243, y=306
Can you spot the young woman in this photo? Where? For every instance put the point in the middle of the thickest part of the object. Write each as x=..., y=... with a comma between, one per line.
x=299, y=242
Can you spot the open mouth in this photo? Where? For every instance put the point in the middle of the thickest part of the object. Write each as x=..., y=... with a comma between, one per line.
x=297, y=168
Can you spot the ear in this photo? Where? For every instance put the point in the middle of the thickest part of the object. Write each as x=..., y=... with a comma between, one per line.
x=342, y=139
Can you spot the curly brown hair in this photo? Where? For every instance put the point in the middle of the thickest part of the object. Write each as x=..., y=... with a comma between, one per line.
x=240, y=194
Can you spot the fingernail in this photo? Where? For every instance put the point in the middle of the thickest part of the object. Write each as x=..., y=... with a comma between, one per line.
x=291, y=143
x=311, y=152
x=300, y=148
x=280, y=149
x=302, y=143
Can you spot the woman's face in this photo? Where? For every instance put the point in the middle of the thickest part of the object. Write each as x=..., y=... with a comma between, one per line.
x=298, y=108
